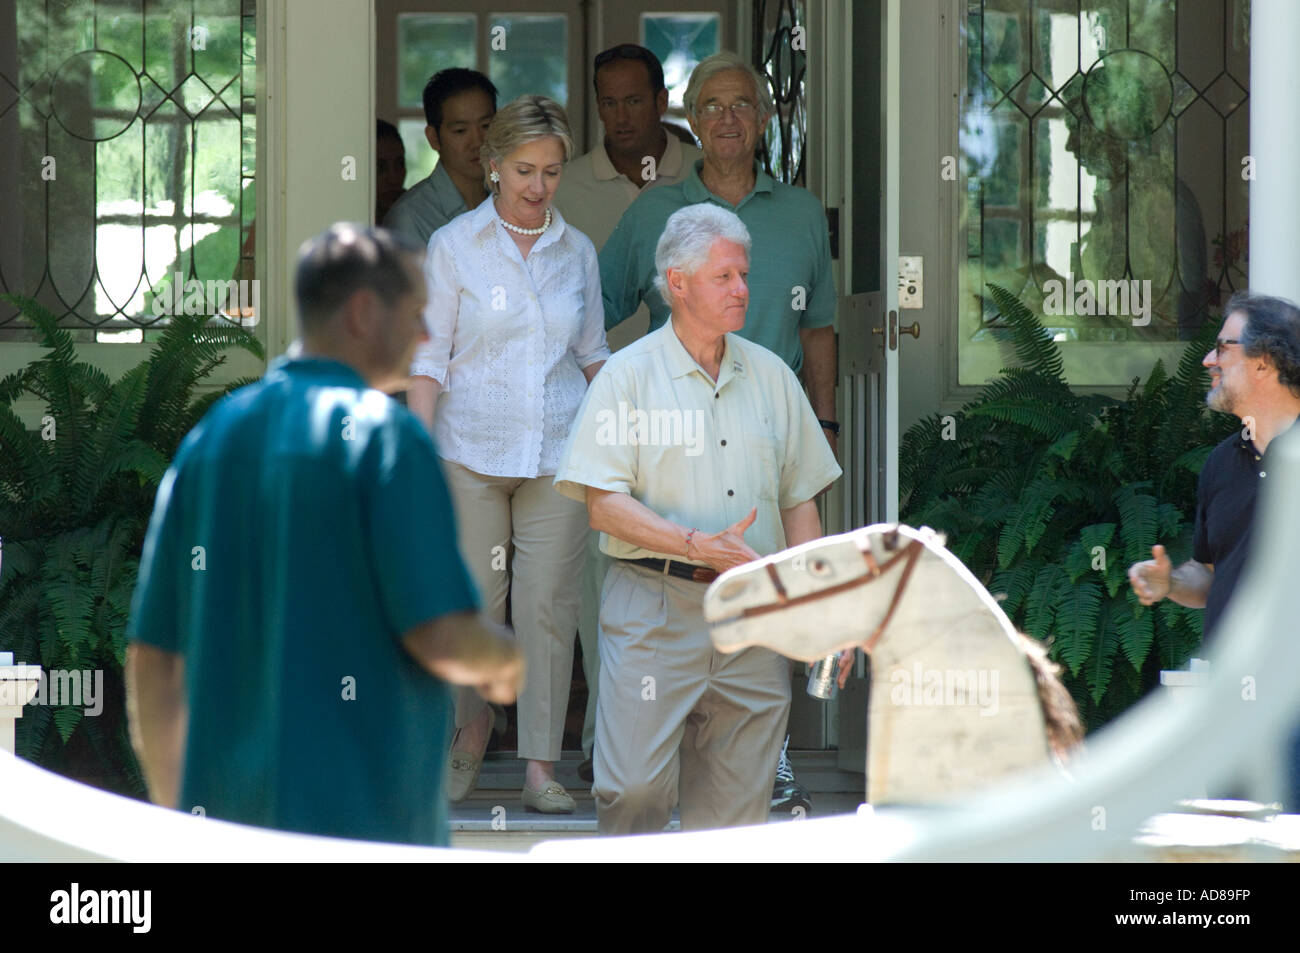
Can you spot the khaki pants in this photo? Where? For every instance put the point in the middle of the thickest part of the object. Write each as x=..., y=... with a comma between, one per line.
x=675, y=716
x=549, y=536
x=593, y=580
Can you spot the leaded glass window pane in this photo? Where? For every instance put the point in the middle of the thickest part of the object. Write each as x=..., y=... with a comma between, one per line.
x=782, y=60
x=680, y=40
x=129, y=147
x=529, y=54
x=1101, y=147
x=427, y=43
x=420, y=159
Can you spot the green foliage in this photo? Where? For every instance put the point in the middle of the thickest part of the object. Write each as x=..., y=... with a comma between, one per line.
x=75, y=501
x=1033, y=478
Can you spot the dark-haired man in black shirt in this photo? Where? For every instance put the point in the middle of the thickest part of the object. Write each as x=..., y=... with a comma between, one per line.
x=1255, y=375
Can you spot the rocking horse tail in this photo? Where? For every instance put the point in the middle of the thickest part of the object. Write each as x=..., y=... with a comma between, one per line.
x=1061, y=715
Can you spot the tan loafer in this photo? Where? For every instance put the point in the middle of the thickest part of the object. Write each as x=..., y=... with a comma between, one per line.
x=552, y=799
x=462, y=775
x=463, y=766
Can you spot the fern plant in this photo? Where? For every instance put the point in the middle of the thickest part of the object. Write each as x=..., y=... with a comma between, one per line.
x=75, y=499
x=1049, y=495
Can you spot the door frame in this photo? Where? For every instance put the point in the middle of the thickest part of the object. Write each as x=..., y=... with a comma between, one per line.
x=867, y=388
x=315, y=112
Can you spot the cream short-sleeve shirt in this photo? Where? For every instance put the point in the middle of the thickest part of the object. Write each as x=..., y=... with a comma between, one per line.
x=655, y=426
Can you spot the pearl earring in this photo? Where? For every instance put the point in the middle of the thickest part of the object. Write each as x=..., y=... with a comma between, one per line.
x=494, y=176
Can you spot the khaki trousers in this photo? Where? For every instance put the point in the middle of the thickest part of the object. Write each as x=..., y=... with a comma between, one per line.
x=677, y=718
x=593, y=580
x=549, y=537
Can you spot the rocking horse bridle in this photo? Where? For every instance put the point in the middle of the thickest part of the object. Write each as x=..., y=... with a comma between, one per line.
x=907, y=556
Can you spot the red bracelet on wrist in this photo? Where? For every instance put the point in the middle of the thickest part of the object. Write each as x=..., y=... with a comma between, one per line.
x=687, y=554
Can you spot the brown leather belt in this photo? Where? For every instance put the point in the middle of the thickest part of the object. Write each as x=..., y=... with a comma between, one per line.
x=678, y=569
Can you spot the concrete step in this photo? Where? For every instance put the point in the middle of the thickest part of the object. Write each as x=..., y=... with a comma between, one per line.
x=494, y=817
x=816, y=770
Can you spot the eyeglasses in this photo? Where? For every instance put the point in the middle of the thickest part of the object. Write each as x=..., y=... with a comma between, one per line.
x=1221, y=343
x=742, y=109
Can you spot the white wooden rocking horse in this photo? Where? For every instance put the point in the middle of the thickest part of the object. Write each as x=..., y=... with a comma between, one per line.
x=959, y=698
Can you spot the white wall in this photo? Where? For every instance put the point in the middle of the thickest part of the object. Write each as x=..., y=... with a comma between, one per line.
x=316, y=107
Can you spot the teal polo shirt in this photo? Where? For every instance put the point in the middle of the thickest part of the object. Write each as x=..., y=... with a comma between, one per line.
x=790, y=283
x=302, y=528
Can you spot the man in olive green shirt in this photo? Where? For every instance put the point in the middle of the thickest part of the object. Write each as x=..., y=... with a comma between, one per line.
x=695, y=451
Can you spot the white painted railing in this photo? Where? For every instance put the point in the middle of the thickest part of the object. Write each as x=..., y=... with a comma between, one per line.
x=1135, y=769
x=18, y=684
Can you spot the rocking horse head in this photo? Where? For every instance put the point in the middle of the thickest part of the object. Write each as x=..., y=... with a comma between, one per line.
x=958, y=697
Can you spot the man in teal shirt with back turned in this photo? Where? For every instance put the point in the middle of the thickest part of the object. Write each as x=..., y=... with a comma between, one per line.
x=301, y=600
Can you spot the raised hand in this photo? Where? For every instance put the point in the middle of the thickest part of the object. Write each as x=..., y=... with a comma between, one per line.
x=1151, y=579
x=724, y=550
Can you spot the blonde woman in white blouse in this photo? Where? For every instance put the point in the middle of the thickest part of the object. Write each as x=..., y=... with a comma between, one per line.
x=517, y=331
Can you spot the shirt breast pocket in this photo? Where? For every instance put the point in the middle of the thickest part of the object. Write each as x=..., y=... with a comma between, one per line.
x=762, y=463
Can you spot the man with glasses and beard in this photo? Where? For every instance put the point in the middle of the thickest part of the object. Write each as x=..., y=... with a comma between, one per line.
x=1255, y=375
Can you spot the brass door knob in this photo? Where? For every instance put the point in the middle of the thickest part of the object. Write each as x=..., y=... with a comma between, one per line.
x=913, y=329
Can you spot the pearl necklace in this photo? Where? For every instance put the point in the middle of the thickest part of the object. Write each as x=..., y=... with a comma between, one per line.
x=528, y=231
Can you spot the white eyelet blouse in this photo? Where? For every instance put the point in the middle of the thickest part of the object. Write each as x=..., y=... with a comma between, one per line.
x=508, y=340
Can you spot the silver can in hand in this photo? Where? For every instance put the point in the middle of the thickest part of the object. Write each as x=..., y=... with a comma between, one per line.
x=821, y=680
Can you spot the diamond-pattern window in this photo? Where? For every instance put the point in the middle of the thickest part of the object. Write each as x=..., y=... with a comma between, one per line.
x=1184, y=94
x=131, y=127
x=1071, y=94
x=1030, y=94
x=193, y=95
x=1093, y=136
x=1225, y=94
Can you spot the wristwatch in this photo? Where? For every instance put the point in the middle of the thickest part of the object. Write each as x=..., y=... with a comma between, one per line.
x=830, y=425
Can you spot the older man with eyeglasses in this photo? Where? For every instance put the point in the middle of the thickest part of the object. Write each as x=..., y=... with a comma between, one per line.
x=792, y=306
x=792, y=294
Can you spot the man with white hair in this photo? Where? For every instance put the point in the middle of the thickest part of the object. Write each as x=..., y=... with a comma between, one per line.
x=695, y=450
x=792, y=313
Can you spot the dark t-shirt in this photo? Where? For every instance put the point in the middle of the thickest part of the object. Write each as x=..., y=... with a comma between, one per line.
x=302, y=529
x=1225, y=509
